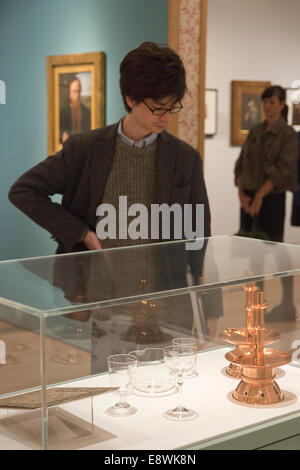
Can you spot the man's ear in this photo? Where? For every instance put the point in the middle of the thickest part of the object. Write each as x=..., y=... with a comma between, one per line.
x=130, y=101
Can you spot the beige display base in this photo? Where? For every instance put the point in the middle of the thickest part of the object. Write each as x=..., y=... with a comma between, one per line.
x=65, y=430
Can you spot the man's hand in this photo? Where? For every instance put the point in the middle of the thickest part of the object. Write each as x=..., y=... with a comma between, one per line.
x=91, y=241
x=245, y=201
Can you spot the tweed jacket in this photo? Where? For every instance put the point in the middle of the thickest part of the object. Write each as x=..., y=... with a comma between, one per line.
x=79, y=172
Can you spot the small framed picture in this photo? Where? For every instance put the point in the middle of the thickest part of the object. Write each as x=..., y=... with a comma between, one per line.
x=246, y=108
x=75, y=94
x=211, y=111
x=293, y=102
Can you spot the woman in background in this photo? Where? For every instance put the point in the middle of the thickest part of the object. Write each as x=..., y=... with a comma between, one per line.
x=266, y=168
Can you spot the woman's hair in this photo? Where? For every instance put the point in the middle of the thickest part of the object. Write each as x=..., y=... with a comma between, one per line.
x=152, y=71
x=284, y=112
x=278, y=91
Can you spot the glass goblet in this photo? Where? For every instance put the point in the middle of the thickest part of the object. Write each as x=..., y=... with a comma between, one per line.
x=180, y=359
x=187, y=342
x=119, y=368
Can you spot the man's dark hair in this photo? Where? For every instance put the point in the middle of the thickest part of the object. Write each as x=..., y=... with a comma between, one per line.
x=276, y=90
x=152, y=71
x=72, y=80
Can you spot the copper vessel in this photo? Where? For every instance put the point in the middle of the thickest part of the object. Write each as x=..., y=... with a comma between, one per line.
x=244, y=337
x=257, y=385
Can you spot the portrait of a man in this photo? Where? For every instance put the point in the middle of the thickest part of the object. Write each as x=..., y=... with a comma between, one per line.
x=75, y=104
x=75, y=96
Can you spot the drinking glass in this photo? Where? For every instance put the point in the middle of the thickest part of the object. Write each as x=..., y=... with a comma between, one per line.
x=119, y=366
x=187, y=342
x=180, y=359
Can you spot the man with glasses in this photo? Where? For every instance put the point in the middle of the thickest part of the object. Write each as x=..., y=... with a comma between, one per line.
x=136, y=157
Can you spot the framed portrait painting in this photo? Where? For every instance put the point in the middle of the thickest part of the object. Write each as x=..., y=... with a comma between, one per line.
x=293, y=102
x=75, y=95
x=246, y=108
x=211, y=109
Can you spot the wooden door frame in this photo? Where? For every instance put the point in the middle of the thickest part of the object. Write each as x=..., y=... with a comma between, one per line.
x=173, y=42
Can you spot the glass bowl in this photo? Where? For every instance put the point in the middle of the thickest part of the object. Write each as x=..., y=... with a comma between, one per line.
x=151, y=377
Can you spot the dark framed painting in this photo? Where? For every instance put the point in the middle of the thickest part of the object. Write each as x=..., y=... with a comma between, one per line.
x=75, y=95
x=246, y=108
x=293, y=102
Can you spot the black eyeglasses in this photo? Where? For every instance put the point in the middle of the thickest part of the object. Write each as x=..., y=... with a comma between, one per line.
x=161, y=111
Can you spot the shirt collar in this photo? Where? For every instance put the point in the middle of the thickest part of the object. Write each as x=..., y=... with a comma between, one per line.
x=140, y=143
x=276, y=128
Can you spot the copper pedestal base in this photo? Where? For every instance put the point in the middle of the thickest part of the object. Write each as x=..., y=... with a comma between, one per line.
x=258, y=390
x=258, y=386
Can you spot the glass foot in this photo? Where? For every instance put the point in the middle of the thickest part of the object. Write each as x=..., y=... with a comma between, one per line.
x=119, y=410
x=187, y=374
x=180, y=413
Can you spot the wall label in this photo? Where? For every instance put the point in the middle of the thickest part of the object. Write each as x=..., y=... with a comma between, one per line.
x=2, y=92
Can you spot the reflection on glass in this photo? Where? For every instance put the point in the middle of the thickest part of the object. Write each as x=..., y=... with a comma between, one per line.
x=17, y=346
x=69, y=350
x=184, y=342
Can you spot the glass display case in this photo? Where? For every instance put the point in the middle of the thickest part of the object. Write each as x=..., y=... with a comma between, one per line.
x=62, y=316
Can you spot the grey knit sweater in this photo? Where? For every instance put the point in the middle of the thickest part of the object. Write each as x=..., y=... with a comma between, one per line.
x=132, y=175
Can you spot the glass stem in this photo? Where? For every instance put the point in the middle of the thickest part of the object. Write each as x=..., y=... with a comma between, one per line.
x=180, y=383
x=122, y=403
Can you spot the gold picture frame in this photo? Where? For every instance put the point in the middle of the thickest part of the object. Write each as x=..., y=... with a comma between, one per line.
x=246, y=108
x=75, y=95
